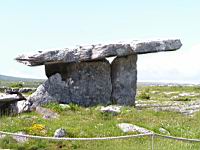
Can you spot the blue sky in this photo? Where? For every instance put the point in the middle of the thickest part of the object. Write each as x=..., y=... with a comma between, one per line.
x=27, y=26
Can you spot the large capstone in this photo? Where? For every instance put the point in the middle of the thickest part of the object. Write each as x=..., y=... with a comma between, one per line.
x=124, y=78
x=99, y=51
x=85, y=83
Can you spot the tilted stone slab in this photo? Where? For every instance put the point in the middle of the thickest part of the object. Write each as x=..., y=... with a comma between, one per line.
x=99, y=51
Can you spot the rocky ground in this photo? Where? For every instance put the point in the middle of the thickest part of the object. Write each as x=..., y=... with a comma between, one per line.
x=168, y=110
x=185, y=108
x=182, y=99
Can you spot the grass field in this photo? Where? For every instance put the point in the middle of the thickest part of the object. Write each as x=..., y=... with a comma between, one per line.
x=90, y=122
x=30, y=84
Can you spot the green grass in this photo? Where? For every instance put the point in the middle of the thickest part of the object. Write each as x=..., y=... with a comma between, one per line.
x=84, y=122
x=19, y=84
x=90, y=122
x=159, y=93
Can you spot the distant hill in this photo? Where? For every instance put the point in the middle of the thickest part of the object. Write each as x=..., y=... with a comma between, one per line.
x=17, y=79
x=9, y=78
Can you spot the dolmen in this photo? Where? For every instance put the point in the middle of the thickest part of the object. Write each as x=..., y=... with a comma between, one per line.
x=84, y=76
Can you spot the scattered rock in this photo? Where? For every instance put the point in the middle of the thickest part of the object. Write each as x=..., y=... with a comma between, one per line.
x=27, y=117
x=169, y=93
x=188, y=94
x=26, y=90
x=20, y=90
x=164, y=131
x=111, y=109
x=188, y=108
x=153, y=92
x=2, y=136
x=64, y=106
x=127, y=127
x=174, y=97
x=19, y=138
x=23, y=106
x=60, y=133
x=46, y=113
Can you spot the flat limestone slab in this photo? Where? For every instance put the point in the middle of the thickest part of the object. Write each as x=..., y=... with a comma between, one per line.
x=10, y=97
x=99, y=52
x=8, y=102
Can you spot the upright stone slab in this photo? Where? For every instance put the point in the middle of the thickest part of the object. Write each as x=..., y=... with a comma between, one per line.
x=85, y=83
x=124, y=79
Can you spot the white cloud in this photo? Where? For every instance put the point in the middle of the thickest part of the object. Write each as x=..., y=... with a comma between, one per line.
x=179, y=66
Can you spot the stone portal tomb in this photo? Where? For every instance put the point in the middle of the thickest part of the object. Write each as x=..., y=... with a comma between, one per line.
x=83, y=75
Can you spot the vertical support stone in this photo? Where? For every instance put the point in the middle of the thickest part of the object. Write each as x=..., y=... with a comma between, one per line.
x=84, y=83
x=124, y=80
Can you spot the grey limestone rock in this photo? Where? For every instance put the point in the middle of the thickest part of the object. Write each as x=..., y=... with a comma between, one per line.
x=60, y=133
x=86, y=84
x=19, y=90
x=111, y=109
x=20, y=139
x=64, y=106
x=6, y=98
x=22, y=106
x=99, y=51
x=2, y=136
x=46, y=113
x=10, y=103
x=124, y=79
x=127, y=127
x=164, y=131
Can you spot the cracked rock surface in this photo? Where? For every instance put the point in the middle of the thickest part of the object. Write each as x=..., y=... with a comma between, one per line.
x=99, y=51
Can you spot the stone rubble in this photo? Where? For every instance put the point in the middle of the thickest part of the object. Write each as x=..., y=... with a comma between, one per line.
x=127, y=127
x=115, y=110
x=20, y=90
x=184, y=108
x=46, y=113
x=64, y=106
x=20, y=139
x=60, y=133
x=164, y=131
